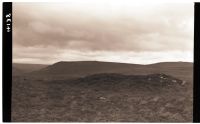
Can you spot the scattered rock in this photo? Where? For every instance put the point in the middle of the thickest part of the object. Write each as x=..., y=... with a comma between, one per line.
x=102, y=98
x=155, y=99
x=183, y=83
x=174, y=81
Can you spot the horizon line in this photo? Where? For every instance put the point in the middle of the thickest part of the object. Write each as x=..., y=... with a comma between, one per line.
x=107, y=62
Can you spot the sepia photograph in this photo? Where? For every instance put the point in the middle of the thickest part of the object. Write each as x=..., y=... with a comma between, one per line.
x=102, y=61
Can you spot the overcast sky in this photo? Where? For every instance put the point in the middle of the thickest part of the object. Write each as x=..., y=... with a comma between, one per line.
x=116, y=31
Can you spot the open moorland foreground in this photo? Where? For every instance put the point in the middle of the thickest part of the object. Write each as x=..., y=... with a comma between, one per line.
x=92, y=91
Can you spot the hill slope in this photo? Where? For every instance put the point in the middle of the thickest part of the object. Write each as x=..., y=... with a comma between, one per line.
x=17, y=72
x=84, y=68
x=27, y=68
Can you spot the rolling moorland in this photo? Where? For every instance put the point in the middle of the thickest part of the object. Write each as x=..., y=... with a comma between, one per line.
x=92, y=91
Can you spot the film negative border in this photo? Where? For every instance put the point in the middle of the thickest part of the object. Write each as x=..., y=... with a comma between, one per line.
x=7, y=60
x=196, y=97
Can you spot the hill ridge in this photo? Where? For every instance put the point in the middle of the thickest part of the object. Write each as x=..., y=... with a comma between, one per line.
x=83, y=68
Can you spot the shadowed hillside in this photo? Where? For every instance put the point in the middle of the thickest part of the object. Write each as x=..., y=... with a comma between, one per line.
x=26, y=68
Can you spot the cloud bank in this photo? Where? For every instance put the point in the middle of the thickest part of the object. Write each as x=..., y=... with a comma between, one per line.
x=104, y=31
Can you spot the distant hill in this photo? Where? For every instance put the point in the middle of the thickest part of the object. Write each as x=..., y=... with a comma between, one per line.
x=27, y=68
x=16, y=71
x=84, y=68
